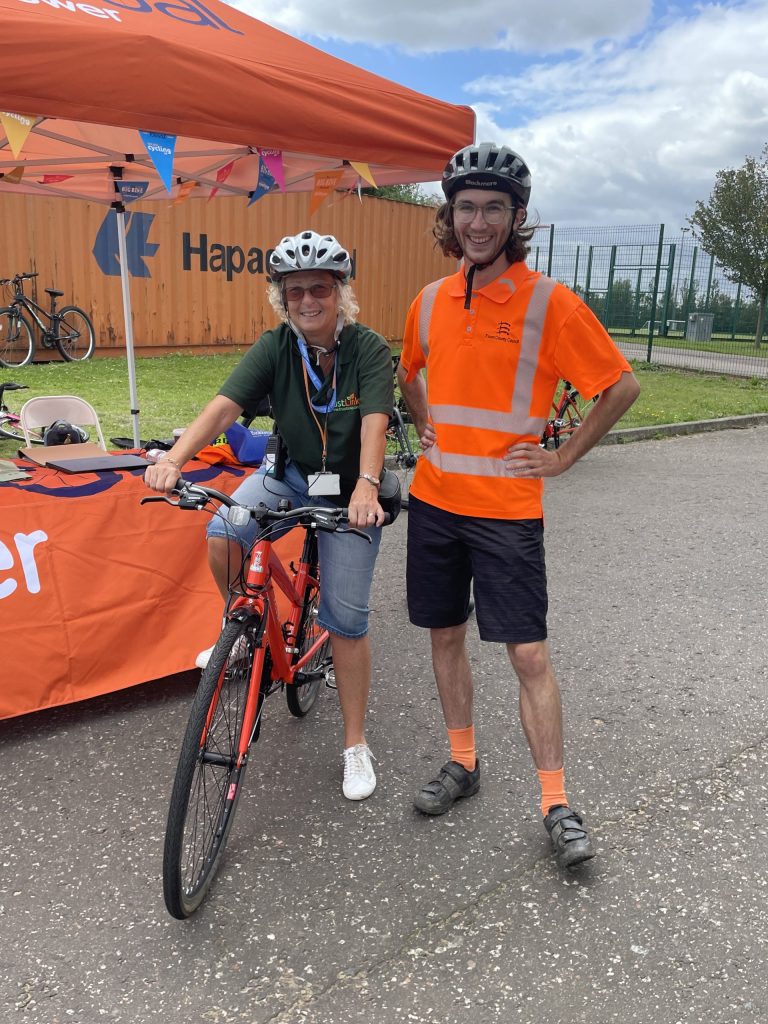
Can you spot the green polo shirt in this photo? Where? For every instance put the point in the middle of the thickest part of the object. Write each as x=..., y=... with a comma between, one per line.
x=273, y=366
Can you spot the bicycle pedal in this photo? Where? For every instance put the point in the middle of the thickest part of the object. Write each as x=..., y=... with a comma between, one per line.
x=330, y=679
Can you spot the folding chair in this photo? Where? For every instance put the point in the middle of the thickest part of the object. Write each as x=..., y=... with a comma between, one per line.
x=44, y=410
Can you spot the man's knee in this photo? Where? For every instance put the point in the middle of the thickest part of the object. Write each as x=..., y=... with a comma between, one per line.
x=448, y=639
x=530, y=661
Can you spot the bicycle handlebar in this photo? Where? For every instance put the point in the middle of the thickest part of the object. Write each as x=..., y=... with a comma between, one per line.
x=196, y=496
x=17, y=277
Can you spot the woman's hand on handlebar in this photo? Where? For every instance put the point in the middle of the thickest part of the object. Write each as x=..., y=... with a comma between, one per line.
x=364, y=508
x=163, y=476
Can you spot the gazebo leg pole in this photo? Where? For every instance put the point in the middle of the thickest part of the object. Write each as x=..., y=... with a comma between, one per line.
x=128, y=317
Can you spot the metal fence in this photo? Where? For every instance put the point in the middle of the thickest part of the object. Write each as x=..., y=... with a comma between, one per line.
x=663, y=299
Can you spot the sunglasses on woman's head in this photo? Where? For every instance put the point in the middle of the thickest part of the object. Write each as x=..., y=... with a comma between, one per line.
x=295, y=293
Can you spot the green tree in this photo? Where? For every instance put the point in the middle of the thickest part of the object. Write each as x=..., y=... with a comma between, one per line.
x=404, y=194
x=733, y=227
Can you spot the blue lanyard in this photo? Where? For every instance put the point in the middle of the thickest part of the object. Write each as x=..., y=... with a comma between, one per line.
x=331, y=403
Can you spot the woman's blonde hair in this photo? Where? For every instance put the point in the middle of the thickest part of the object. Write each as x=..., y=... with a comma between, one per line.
x=345, y=297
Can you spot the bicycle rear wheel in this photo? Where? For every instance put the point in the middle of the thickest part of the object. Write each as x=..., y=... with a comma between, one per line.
x=302, y=694
x=73, y=334
x=208, y=782
x=17, y=340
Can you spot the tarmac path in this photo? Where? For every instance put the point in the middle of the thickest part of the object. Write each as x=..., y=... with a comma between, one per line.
x=331, y=912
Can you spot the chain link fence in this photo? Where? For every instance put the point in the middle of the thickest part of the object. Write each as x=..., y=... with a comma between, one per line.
x=662, y=299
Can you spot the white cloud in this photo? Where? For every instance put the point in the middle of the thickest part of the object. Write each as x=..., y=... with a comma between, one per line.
x=440, y=26
x=634, y=137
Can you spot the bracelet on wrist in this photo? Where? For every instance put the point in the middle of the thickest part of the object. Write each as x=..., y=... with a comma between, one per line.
x=371, y=479
x=173, y=462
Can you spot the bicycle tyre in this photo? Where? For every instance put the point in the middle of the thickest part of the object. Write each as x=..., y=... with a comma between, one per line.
x=79, y=341
x=10, y=428
x=302, y=695
x=17, y=339
x=208, y=782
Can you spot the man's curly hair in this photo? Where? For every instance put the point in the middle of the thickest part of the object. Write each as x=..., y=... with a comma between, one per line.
x=516, y=247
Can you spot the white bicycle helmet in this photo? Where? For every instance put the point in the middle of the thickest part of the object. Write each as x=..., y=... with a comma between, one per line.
x=487, y=165
x=309, y=251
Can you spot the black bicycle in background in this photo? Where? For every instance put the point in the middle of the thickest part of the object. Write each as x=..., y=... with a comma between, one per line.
x=403, y=448
x=69, y=329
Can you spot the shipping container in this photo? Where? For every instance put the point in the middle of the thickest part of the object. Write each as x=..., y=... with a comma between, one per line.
x=198, y=269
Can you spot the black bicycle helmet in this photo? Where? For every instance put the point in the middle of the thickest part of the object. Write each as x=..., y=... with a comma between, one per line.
x=62, y=432
x=487, y=165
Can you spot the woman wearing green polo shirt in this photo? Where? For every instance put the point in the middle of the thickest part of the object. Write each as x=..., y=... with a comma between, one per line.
x=330, y=384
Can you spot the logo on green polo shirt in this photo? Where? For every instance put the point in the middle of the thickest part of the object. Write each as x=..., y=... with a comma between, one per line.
x=350, y=402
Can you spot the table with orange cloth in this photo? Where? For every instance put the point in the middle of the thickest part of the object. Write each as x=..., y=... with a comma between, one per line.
x=99, y=592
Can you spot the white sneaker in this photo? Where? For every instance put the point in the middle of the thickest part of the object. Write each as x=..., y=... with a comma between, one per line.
x=240, y=650
x=204, y=657
x=359, y=776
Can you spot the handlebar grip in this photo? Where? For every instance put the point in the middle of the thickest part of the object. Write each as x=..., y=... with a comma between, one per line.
x=25, y=276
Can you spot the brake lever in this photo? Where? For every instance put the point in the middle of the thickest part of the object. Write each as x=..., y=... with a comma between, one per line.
x=353, y=529
x=157, y=497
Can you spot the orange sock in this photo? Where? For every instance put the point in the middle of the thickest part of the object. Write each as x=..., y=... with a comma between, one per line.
x=552, y=790
x=463, y=746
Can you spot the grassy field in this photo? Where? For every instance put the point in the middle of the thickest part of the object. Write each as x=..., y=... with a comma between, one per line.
x=173, y=388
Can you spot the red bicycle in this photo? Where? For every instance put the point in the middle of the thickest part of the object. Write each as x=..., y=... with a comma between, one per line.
x=568, y=412
x=255, y=655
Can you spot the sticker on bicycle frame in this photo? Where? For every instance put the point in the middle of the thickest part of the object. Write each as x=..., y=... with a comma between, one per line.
x=232, y=791
x=324, y=484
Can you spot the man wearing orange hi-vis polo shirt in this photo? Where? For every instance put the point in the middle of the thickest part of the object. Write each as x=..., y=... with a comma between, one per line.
x=495, y=339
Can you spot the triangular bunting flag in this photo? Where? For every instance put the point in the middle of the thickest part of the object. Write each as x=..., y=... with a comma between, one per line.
x=221, y=175
x=325, y=183
x=364, y=171
x=265, y=183
x=54, y=179
x=14, y=177
x=273, y=160
x=130, y=191
x=161, y=149
x=17, y=127
x=183, y=191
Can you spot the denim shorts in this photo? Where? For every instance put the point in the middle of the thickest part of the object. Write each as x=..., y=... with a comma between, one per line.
x=346, y=561
x=502, y=560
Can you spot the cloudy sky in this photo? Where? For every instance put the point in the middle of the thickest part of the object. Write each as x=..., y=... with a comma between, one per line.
x=624, y=109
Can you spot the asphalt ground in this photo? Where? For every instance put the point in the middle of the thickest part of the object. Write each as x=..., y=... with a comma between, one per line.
x=331, y=912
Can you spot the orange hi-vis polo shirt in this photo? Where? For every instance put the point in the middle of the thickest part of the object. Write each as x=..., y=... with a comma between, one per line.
x=492, y=373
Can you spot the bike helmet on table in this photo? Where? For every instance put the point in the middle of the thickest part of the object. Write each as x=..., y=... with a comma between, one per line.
x=309, y=251
x=62, y=432
x=488, y=166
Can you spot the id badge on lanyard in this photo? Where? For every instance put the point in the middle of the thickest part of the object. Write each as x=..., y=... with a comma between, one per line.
x=322, y=483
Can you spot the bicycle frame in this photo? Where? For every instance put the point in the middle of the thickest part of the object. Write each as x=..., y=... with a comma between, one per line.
x=264, y=571
x=22, y=301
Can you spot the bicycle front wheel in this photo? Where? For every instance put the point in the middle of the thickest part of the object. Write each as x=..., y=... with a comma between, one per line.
x=403, y=451
x=73, y=334
x=10, y=427
x=572, y=416
x=209, y=776
x=17, y=340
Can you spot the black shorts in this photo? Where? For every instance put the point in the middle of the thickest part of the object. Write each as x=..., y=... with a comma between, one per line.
x=504, y=558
